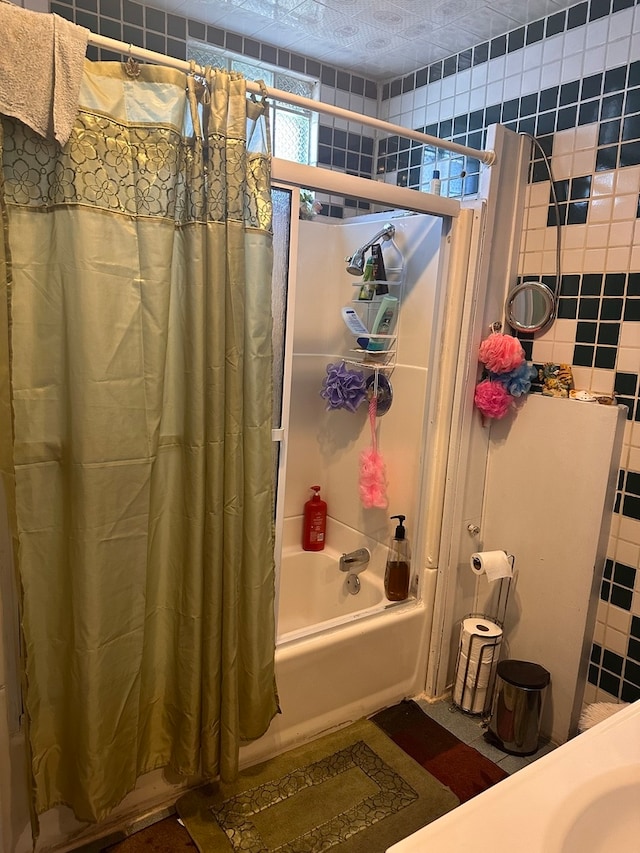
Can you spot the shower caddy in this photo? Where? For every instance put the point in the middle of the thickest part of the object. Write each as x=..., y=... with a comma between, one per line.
x=489, y=654
x=381, y=361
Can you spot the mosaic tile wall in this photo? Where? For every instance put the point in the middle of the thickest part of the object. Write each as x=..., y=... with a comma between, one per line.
x=573, y=81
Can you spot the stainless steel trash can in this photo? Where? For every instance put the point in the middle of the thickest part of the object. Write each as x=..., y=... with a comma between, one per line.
x=517, y=706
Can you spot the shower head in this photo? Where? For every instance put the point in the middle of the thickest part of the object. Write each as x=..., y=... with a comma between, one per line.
x=355, y=264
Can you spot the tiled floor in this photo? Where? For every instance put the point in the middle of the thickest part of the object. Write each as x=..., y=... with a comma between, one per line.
x=470, y=730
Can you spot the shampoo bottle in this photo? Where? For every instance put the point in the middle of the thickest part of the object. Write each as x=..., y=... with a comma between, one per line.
x=315, y=522
x=379, y=272
x=398, y=570
x=367, y=288
x=384, y=323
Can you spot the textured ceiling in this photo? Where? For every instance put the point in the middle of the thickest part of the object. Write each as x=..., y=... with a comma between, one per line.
x=378, y=39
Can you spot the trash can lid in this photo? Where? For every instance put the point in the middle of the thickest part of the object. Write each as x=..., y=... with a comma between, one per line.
x=523, y=673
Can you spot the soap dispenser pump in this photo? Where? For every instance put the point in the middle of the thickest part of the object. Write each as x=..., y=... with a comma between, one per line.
x=397, y=573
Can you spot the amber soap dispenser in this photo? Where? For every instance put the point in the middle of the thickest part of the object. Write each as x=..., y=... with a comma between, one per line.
x=398, y=571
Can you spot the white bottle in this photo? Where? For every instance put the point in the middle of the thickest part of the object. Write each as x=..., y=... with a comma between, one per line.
x=393, y=261
x=435, y=182
x=356, y=326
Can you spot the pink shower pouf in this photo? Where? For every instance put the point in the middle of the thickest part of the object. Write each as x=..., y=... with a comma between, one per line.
x=492, y=399
x=501, y=353
x=373, y=479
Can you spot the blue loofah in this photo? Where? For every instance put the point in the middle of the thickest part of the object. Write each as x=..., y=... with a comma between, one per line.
x=518, y=381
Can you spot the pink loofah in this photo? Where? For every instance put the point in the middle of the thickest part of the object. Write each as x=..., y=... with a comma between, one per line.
x=373, y=474
x=501, y=353
x=492, y=398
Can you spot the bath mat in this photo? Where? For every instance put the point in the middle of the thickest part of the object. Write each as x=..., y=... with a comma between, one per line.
x=458, y=766
x=352, y=791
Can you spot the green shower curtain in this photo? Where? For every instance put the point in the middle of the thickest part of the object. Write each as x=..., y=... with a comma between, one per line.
x=135, y=412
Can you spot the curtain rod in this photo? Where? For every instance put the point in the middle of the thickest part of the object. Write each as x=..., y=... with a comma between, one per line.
x=486, y=157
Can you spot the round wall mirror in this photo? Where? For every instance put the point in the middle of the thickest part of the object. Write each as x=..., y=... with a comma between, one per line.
x=530, y=306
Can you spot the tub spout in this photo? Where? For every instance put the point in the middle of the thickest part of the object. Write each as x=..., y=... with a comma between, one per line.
x=355, y=561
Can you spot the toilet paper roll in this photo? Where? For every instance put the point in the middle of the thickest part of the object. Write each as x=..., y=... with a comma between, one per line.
x=471, y=701
x=470, y=693
x=480, y=641
x=477, y=626
x=473, y=672
x=493, y=564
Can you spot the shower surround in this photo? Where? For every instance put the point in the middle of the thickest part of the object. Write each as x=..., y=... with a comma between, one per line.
x=330, y=672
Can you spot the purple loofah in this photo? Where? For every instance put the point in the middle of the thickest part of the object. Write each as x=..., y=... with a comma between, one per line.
x=343, y=388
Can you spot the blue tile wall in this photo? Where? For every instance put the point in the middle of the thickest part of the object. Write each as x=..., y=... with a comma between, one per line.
x=612, y=99
x=155, y=29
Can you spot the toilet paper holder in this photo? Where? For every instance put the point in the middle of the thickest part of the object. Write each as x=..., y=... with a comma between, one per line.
x=478, y=565
x=473, y=688
x=503, y=591
x=477, y=659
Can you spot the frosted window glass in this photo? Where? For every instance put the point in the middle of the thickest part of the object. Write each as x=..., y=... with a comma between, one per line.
x=281, y=200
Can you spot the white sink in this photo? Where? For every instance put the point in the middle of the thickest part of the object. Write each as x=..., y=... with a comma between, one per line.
x=584, y=797
x=600, y=816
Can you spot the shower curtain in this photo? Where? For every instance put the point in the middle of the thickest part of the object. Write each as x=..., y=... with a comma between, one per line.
x=135, y=408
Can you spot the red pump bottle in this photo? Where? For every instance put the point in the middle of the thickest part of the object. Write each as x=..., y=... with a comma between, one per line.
x=315, y=522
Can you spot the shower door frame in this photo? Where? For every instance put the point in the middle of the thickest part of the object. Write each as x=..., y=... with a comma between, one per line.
x=482, y=243
x=461, y=228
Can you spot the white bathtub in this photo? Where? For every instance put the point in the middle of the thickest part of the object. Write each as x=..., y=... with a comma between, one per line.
x=340, y=657
x=584, y=797
x=314, y=595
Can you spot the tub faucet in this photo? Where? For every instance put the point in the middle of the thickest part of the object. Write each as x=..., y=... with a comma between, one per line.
x=355, y=561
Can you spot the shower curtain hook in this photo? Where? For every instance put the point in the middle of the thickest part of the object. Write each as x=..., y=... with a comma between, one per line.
x=132, y=66
x=206, y=95
x=263, y=90
x=265, y=112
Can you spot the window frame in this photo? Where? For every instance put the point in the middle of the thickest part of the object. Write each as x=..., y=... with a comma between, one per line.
x=221, y=58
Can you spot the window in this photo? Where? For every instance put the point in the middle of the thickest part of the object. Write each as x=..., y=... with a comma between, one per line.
x=459, y=175
x=293, y=129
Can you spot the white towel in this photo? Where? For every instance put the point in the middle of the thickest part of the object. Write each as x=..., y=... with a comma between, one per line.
x=593, y=714
x=41, y=65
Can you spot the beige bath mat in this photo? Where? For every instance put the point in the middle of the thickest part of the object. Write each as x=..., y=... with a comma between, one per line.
x=353, y=791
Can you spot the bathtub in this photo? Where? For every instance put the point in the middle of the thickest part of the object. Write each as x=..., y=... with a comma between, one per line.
x=340, y=657
x=584, y=796
x=314, y=596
